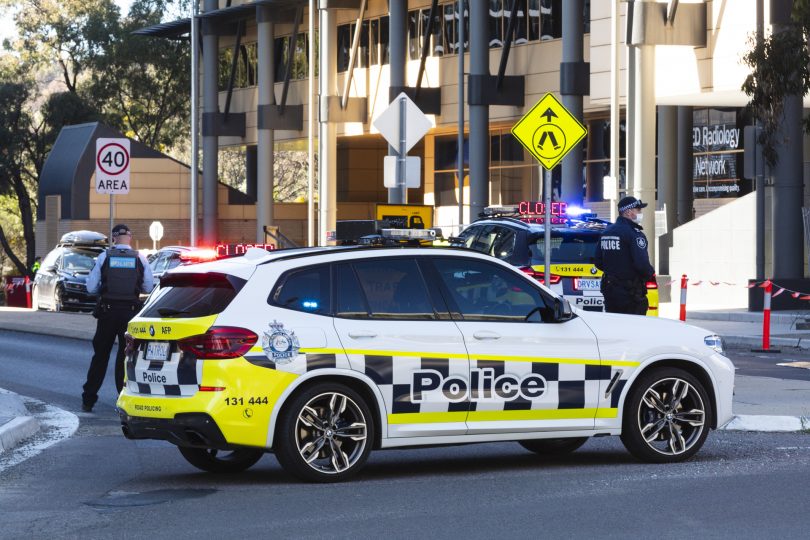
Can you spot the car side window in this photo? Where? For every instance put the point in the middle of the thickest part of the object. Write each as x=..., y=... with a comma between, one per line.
x=158, y=264
x=483, y=242
x=173, y=261
x=350, y=300
x=467, y=236
x=305, y=290
x=487, y=292
x=395, y=289
x=503, y=247
x=50, y=258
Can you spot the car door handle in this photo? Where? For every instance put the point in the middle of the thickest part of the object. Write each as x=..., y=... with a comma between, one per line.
x=362, y=334
x=486, y=334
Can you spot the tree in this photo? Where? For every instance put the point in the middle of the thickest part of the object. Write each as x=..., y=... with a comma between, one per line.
x=779, y=68
x=71, y=34
x=144, y=81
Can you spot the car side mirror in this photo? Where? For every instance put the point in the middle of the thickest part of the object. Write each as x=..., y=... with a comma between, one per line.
x=562, y=310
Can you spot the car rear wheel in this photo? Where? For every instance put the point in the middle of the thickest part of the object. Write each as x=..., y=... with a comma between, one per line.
x=666, y=416
x=553, y=447
x=221, y=461
x=325, y=434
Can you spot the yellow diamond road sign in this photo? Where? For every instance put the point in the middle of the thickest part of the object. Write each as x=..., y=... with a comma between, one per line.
x=549, y=131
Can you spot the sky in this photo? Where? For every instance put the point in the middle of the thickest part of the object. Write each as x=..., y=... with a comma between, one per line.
x=7, y=19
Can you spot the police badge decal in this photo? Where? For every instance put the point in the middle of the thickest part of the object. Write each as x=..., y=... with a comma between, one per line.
x=641, y=242
x=279, y=345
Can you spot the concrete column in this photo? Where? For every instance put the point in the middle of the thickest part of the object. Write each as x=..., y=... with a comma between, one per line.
x=643, y=151
x=685, y=166
x=266, y=137
x=327, y=132
x=788, y=194
x=667, y=178
x=596, y=171
x=210, y=142
x=398, y=56
x=572, y=55
x=479, y=114
x=629, y=122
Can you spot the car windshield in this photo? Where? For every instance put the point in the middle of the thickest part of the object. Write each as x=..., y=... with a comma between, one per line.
x=565, y=248
x=79, y=260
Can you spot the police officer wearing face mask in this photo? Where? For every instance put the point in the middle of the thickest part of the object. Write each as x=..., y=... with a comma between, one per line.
x=118, y=277
x=622, y=255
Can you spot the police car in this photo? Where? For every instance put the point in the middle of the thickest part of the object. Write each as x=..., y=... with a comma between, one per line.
x=321, y=355
x=515, y=234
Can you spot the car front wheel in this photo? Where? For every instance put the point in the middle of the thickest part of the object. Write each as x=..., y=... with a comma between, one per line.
x=325, y=434
x=221, y=461
x=666, y=416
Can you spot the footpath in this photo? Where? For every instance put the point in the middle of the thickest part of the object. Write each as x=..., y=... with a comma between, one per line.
x=760, y=403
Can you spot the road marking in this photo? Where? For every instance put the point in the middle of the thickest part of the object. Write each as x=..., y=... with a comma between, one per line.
x=801, y=365
x=55, y=425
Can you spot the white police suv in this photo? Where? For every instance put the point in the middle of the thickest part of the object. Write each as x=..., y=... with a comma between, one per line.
x=321, y=355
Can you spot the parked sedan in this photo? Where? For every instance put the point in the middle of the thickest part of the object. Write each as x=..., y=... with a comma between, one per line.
x=61, y=282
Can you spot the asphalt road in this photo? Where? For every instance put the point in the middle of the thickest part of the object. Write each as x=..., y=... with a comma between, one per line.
x=99, y=485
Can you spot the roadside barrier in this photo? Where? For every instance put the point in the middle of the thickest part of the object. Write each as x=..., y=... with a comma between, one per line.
x=766, y=315
x=28, y=302
x=684, y=284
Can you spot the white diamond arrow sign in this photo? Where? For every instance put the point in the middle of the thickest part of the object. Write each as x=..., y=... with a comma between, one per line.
x=416, y=123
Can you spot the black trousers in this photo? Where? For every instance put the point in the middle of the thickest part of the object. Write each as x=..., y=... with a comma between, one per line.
x=622, y=297
x=111, y=324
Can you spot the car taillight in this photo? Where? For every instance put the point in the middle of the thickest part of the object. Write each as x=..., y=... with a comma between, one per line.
x=219, y=343
x=528, y=270
x=132, y=344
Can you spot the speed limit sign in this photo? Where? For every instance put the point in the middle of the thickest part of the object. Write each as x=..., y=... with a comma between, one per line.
x=112, y=166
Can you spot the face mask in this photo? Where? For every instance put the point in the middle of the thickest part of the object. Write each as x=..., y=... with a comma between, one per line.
x=639, y=217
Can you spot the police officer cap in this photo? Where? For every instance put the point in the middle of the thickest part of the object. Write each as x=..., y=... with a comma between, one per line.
x=120, y=229
x=628, y=203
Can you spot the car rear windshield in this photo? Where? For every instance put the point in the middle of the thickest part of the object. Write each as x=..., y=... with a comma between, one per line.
x=192, y=295
x=565, y=248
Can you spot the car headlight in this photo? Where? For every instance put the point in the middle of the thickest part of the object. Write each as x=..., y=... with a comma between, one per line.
x=714, y=342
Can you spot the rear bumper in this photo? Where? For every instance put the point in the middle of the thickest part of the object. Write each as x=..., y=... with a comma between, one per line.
x=197, y=430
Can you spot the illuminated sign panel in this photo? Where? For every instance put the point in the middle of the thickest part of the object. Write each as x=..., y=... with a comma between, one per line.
x=535, y=212
x=232, y=250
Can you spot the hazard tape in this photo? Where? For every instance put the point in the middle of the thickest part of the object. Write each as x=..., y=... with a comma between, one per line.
x=778, y=289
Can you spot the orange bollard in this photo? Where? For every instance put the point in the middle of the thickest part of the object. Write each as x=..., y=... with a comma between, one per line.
x=27, y=292
x=766, y=316
x=684, y=283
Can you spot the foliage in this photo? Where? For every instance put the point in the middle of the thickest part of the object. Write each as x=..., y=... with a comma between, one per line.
x=779, y=68
x=77, y=61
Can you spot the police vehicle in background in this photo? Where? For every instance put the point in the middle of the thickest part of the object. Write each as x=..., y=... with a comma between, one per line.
x=516, y=235
x=61, y=281
x=321, y=355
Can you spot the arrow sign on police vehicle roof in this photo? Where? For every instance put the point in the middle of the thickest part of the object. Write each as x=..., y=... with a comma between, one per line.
x=416, y=123
x=112, y=166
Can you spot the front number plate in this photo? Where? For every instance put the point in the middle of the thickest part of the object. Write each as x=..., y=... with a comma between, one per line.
x=157, y=350
x=589, y=284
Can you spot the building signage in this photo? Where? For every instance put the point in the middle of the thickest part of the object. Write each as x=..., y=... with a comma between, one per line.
x=717, y=149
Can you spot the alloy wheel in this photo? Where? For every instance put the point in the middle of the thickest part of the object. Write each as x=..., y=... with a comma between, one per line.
x=671, y=416
x=331, y=433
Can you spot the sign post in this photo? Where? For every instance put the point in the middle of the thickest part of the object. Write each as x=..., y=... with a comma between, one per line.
x=402, y=124
x=155, y=233
x=548, y=131
x=112, y=170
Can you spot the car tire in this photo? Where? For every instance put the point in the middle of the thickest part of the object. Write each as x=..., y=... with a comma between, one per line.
x=667, y=416
x=325, y=433
x=221, y=461
x=34, y=297
x=57, y=299
x=553, y=447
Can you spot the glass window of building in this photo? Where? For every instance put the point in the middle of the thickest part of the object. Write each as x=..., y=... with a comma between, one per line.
x=717, y=149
